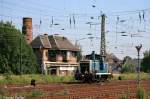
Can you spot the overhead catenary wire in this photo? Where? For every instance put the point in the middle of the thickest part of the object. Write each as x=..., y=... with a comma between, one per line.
x=78, y=19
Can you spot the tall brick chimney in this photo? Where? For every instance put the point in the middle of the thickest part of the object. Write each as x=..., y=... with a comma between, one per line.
x=27, y=29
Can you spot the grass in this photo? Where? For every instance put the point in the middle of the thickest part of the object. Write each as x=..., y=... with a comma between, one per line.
x=3, y=92
x=140, y=93
x=45, y=79
x=36, y=93
x=31, y=94
x=26, y=79
x=125, y=97
x=130, y=76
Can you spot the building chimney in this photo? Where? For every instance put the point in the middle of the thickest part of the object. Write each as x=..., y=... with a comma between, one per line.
x=27, y=29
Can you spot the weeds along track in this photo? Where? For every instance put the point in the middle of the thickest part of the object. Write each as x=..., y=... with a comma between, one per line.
x=106, y=90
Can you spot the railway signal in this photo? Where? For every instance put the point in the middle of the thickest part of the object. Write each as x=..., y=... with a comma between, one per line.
x=138, y=68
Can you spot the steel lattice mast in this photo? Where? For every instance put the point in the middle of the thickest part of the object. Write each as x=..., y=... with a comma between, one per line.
x=103, y=46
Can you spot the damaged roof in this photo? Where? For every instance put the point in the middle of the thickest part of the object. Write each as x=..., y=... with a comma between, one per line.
x=41, y=41
x=53, y=42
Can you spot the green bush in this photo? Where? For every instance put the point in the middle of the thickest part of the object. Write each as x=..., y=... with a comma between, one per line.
x=126, y=96
x=145, y=64
x=140, y=93
x=128, y=69
x=36, y=93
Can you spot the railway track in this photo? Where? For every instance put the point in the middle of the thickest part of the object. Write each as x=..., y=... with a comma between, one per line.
x=106, y=90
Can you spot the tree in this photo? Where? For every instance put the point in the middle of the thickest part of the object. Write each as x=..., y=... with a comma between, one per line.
x=145, y=65
x=16, y=56
x=128, y=65
x=126, y=58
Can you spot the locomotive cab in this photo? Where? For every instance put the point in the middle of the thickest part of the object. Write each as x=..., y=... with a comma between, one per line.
x=85, y=66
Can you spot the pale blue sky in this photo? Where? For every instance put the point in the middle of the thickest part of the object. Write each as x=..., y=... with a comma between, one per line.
x=82, y=11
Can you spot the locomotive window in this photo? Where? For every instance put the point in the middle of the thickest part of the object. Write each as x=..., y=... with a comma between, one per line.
x=84, y=67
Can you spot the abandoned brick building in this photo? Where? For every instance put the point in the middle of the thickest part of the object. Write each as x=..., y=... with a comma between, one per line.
x=55, y=54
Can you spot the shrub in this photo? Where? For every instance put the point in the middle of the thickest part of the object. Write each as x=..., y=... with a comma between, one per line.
x=128, y=68
x=140, y=93
x=36, y=93
x=145, y=64
x=126, y=96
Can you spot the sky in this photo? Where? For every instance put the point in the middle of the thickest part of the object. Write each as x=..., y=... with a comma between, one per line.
x=127, y=22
